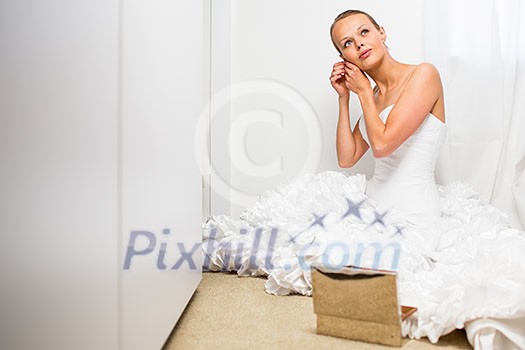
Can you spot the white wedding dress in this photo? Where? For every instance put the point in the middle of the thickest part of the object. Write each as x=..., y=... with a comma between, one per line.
x=457, y=260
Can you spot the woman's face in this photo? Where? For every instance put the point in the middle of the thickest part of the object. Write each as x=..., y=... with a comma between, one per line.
x=359, y=41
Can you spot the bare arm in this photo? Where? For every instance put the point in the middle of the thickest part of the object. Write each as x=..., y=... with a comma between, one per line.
x=350, y=144
x=418, y=97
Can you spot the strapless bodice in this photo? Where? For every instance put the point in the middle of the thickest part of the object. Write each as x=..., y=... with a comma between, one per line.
x=405, y=179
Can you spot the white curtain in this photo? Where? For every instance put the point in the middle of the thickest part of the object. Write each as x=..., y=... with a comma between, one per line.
x=479, y=49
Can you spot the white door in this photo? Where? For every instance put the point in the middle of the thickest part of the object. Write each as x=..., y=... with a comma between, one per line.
x=98, y=104
x=162, y=98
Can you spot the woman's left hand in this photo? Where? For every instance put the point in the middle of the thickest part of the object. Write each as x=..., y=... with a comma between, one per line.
x=355, y=79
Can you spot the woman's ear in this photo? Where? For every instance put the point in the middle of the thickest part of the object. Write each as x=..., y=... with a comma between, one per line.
x=382, y=32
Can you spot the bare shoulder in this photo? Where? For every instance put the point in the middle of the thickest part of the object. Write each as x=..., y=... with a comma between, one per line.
x=425, y=74
x=427, y=67
x=425, y=83
x=423, y=93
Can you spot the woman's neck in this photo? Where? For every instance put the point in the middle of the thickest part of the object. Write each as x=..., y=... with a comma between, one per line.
x=388, y=75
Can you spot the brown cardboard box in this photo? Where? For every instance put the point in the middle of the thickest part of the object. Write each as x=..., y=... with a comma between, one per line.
x=358, y=304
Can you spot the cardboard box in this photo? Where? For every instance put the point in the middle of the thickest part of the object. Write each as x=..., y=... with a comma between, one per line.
x=358, y=304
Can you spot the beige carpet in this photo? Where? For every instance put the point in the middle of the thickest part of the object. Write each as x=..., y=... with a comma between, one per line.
x=234, y=312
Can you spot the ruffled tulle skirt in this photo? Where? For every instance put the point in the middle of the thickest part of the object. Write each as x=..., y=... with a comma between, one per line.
x=468, y=265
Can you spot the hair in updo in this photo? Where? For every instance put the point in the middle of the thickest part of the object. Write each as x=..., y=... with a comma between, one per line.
x=348, y=13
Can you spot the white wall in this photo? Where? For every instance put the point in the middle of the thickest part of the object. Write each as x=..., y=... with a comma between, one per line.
x=288, y=43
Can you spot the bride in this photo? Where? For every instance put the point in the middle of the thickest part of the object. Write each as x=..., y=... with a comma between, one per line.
x=456, y=258
x=412, y=96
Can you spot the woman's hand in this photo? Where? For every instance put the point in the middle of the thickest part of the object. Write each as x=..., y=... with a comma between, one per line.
x=355, y=79
x=337, y=79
